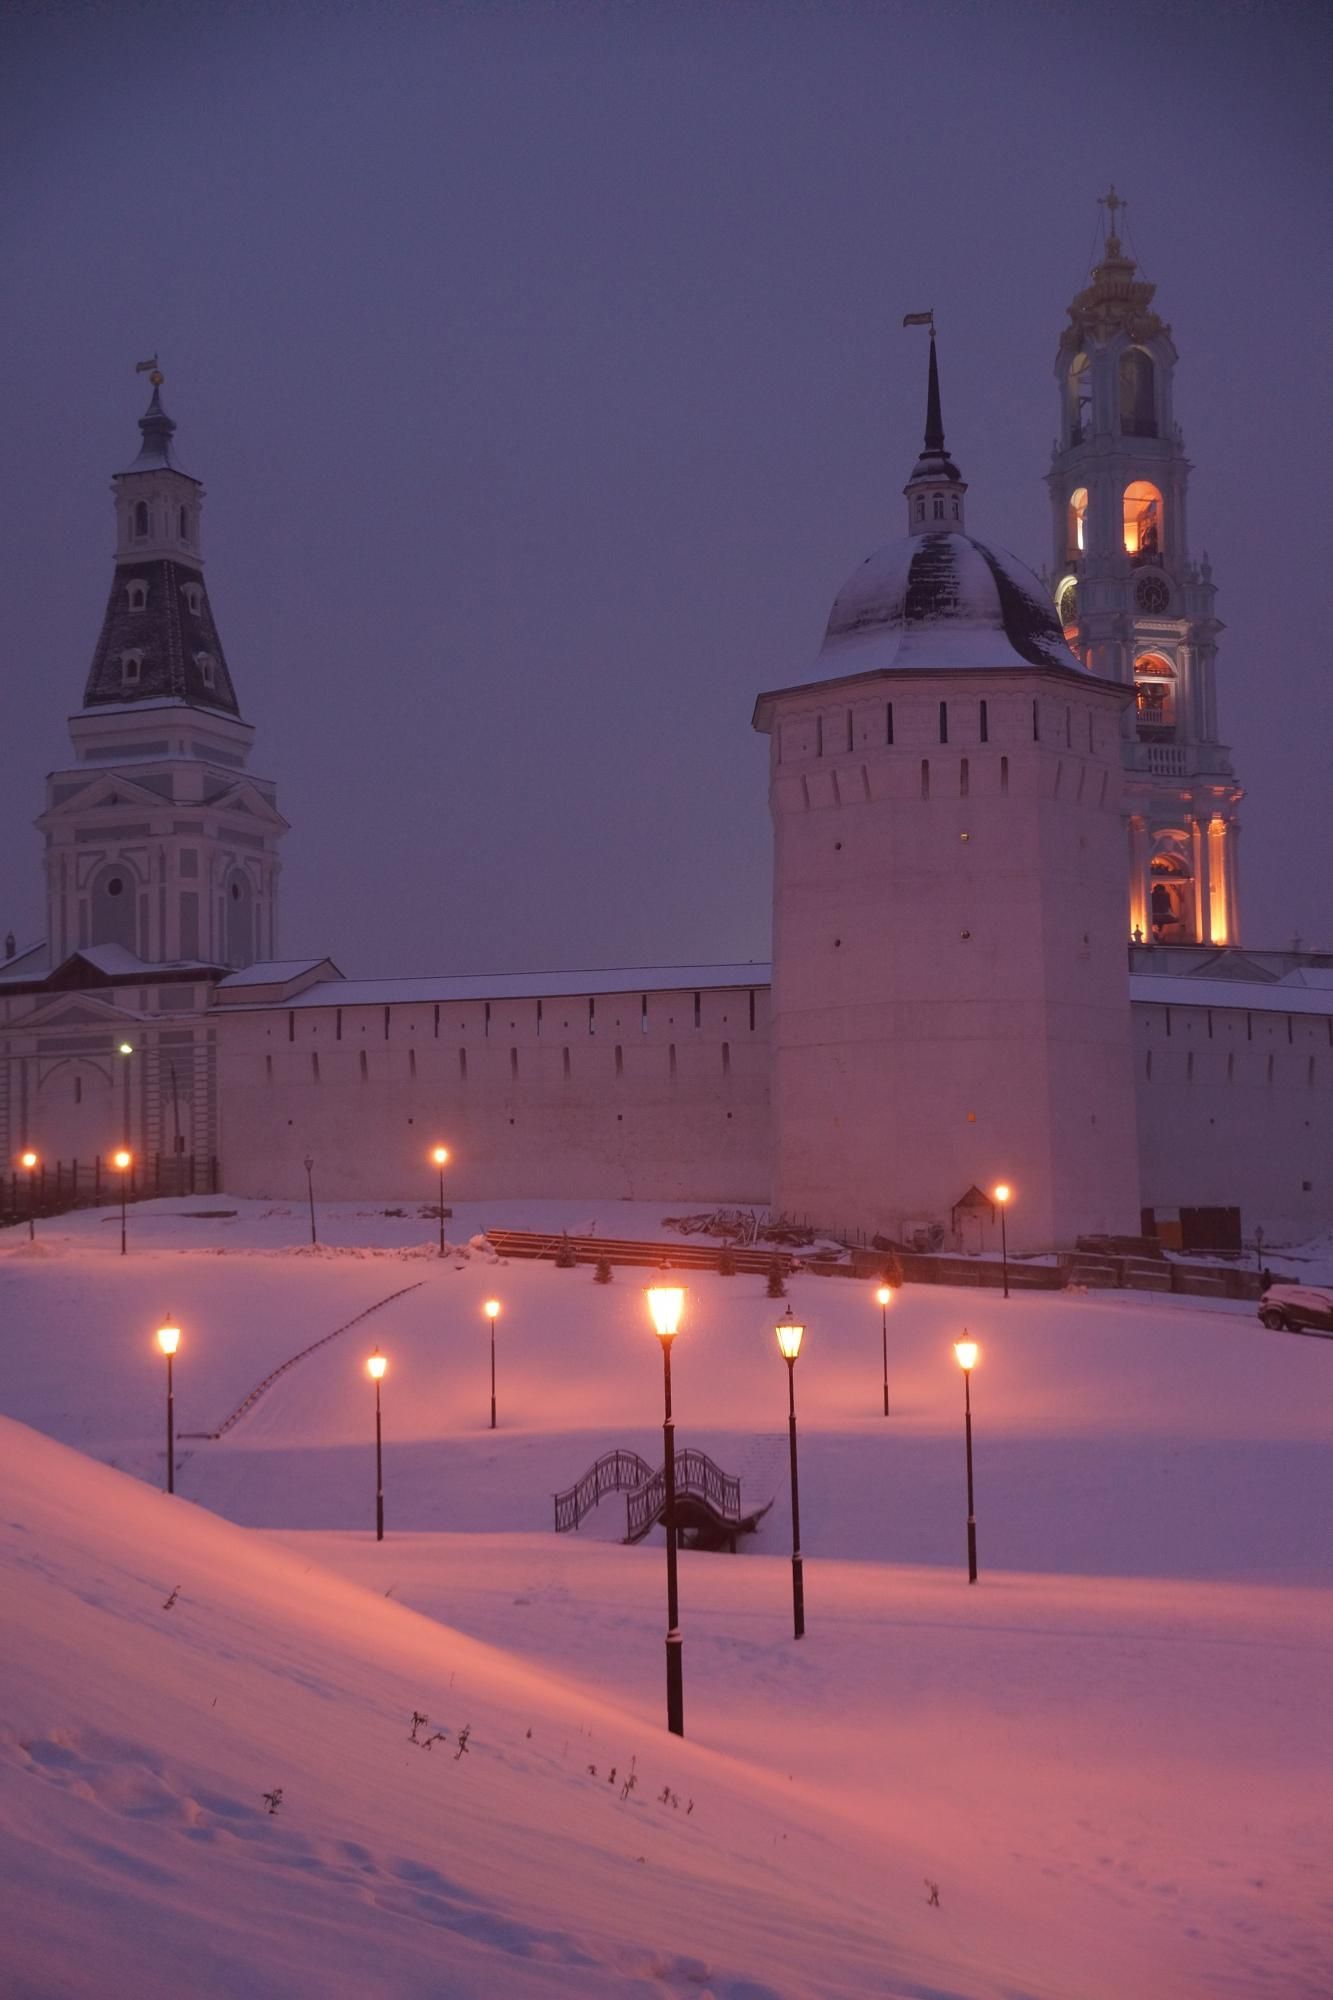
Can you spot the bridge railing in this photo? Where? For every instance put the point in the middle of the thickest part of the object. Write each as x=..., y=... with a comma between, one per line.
x=613, y=1473
x=697, y=1477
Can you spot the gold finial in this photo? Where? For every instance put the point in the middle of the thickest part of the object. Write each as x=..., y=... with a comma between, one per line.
x=1112, y=203
x=151, y=370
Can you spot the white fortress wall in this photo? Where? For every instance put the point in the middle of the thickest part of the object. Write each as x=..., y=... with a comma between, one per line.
x=639, y=1092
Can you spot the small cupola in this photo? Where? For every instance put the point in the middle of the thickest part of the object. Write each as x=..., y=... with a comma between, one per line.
x=936, y=488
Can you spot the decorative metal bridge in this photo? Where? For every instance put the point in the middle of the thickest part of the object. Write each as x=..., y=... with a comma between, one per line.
x=708, y=1500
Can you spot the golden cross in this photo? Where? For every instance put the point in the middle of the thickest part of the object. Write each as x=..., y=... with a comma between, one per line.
x=1111, y=202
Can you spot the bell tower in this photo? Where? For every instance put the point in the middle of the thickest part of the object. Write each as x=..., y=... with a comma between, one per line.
x=1136, y=607
x=158, y=842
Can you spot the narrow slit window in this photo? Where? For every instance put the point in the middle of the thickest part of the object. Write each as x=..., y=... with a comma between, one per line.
x=643, y=1013
x=1036, y=723
x=962, y=778
x=592, y=1017
x=314, y=1064
x=620, y=1060
x=565, y=1063
x=752, y=1010
x=925, y=777
x=888, y=723
x=671, y=1061
x=985, y=724
x=944, y=722
x=338, y=1024
x=698, y=1010
x=726, y=1058
x=513, y=1065
x=462, y=1065
x=386, y=1024
x=1004, y=775
x=412, y=1064
x=365, y=1066
x=1069, y=728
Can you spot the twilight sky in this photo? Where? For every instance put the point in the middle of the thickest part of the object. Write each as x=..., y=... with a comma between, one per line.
x=543, y=367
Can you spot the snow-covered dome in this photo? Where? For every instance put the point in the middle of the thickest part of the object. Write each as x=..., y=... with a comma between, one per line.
x=942, y=601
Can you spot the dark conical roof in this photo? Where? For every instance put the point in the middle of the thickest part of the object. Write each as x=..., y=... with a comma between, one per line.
x=174, y=647
x=157, y=430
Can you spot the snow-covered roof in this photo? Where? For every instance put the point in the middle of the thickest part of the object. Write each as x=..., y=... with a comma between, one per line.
x=33, y=963
x=531, y=985
x=271, y=972
x=1284, y=996
x=942, y=601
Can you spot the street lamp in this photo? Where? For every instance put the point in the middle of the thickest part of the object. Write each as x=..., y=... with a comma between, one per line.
x=884, y=1298
x=666, y=1304
x=122, y=1161
x=789, y=1332
x=492, y=1312
x=440, y=1155
x=169, y=1339
x=1002, y=1193
x=309, y=1164
x=967, y=1351
x=28, y=1162
x=376, y=1367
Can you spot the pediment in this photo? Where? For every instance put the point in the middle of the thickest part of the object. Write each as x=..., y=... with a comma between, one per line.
x=60, y=1012
x=244, y=798
x=106, y=788
x=1233, y=965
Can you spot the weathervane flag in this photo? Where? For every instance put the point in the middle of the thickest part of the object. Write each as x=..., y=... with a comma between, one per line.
x=920, y=319
x=142, y=367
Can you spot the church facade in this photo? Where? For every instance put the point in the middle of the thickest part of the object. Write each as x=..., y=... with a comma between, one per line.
x=1006, y=915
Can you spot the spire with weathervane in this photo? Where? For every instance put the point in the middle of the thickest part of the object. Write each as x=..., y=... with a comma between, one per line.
x=936, y=488
x=158, y=640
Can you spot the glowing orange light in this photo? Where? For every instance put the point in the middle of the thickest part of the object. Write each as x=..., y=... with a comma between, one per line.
x=1003, y=1191
x=967, y=1352
x=122, y=1160
x=884, y=1296
x=376, y=1365
x=492, y=1308
x=666, y=1303
x=440, y=1155
x=28, y=1160
x=168, y=1338
x=790, y=1333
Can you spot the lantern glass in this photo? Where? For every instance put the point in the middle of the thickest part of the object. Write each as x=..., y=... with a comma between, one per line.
x=376, y=1364
x=1003, y=1191
x=790, y=1334
x=122, y=1160
x=492, y=1308
x=884, y=1296
x=666, y=1303
x=967, y=1352
x=440, y=1155
x=28, y=1160
x=168, y=1338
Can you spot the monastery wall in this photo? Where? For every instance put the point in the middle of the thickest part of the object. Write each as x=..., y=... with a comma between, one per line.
x=656, y=1095
x=1235, y=1109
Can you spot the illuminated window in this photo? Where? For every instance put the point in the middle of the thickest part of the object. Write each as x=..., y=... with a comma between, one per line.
x=1078, y=511
x=1154, y=693
x=1143, y=519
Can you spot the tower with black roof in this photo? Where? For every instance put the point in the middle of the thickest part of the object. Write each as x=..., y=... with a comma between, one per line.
x=158, y=840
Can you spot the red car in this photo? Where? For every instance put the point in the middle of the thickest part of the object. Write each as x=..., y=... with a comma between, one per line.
x=1298, y=1309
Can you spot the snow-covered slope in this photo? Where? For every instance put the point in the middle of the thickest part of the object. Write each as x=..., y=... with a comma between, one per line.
x=1111, y=1756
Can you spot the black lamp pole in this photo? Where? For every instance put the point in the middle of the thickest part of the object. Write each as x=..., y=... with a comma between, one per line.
x=379, y=1468
x=124, y=1192
x=797, y=1577
x=492, y=1319
x=884, y=1331
x=971, y=1505
x=1004, y=1246
x=309, y=1164
x=171, y=1428
x=32, y=1204
x=441, y=1165
x=675, y=1680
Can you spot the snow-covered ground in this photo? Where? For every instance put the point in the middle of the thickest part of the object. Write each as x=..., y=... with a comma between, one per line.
x=1112, y=1756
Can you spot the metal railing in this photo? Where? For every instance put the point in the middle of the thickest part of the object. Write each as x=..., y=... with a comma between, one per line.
x=697, y=1478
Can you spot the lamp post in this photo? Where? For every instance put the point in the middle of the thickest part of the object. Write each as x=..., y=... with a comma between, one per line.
x=492, y=1312
x=309, y=1164
x=440, y=1155
x=789, y=1332
x=28, y=1162
x=665, y=1304
x=122, y=1161
x=967, y=1351
x=884, y=1296
x=169, y=1339
x=376, y=1367
x=1002, y=1194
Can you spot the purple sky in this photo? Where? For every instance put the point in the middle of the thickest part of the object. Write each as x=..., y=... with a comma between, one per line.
x=543, y=368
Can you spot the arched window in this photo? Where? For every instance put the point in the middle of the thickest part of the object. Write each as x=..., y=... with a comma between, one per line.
x=193, y=598
x=955, y=507
x=1169, y=900
x=131, y=669
x=1078, y=522
x=240, y=918
x=141, y=520
x=919, y=510
x=1138, y=394
x=1143, y=520
x=136, y=595
x=1080, y=400
x=185, y=524
x=207, y=666
x=1066, y=603
x=937, y=507
x=113, y=907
